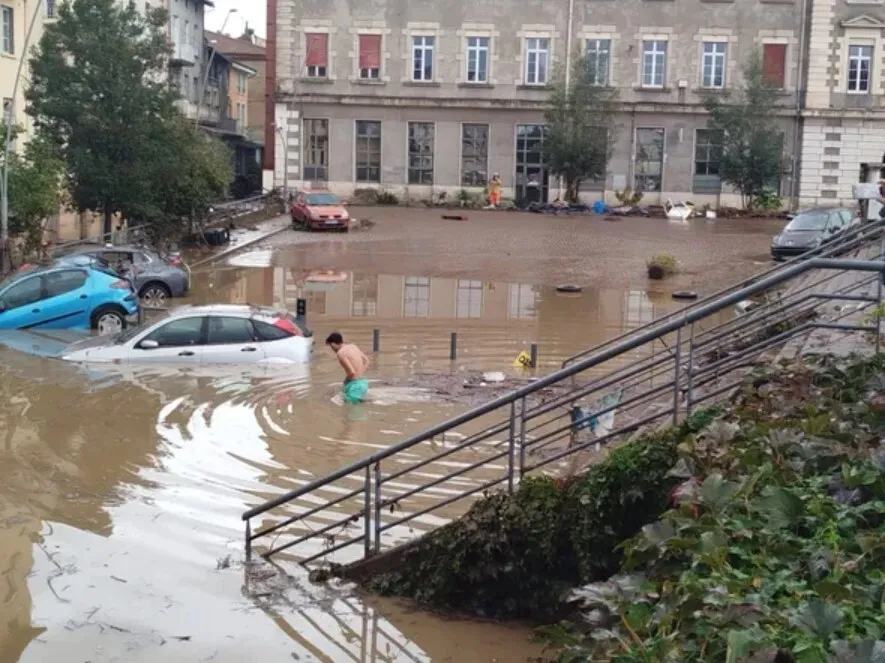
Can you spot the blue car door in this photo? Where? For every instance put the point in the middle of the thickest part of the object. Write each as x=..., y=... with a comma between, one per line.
x=21, y=303
x=68, y=300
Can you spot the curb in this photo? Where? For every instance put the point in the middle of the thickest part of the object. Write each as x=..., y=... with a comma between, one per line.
x=239, y=247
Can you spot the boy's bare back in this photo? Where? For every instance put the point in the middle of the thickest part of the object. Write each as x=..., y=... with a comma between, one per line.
x=353, y=361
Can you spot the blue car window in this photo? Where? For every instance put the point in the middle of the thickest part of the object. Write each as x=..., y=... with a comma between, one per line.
x=59, y=283
x=187, y=331
x=24, y=293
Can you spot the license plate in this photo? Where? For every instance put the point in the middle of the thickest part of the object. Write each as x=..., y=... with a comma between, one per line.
x=331, y=222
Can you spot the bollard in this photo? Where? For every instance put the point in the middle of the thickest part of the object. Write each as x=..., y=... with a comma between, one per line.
x=453, y=348
x=534, y=353
x=376, y=340
x=301, y=309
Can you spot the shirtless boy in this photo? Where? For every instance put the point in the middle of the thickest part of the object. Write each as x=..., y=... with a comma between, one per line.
x=354, y=363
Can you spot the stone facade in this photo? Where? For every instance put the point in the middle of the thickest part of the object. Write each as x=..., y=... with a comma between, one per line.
x=431, y=119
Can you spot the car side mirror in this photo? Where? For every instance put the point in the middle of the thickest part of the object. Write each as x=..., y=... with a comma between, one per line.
x=2, y=307
x=148, y=345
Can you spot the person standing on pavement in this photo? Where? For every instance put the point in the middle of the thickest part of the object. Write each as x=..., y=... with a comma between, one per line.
x=355, y=364
x=495, y=190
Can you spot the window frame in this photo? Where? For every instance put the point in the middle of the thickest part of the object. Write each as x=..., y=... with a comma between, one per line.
x=427, y=138
x=369, y=73
x=7, y=29
x=313, y=70
x=650, y=54
x=542, y=56
x=858, y=61
x=475, y=52
x=714, y=58
x=200, y=342
x=474, y=157
x=423, y=58
x=82, y=273
x=368, y=151
x=311, y=148
x=783, y=48
x=51, y=9
x=661, y=131
x=40, y=281
x=593, y=75
x=253, y=334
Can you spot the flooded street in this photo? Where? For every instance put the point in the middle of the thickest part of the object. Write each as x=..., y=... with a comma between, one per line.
x=121, y=489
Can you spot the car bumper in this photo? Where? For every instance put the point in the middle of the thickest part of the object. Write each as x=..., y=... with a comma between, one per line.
x=328, y=224
x=780, y=252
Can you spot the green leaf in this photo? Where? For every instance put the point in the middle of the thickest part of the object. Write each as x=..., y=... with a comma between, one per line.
x=712, y=541
x=782, y=507
x=819, y=618
x=716, y=491
x=830, y=589
x=659, y=533
x=740, y=643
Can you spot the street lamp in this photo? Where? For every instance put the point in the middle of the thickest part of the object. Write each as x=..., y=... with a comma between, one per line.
x=279, y=130
x=202, y=90
x=4, y=175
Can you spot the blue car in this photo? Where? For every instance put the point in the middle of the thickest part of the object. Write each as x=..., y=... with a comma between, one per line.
x=67, y=295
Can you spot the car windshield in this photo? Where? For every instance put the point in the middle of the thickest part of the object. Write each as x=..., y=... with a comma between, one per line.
x=809, y=221
x=322, y=199
x=132, y=332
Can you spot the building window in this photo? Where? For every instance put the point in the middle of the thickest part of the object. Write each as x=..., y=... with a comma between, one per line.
x=713, y=64
x=638, y=309
x=649, y=160
x=469, y=302
x=316, y=150
x=537, y=53
x=241, y=114
x=532, y=178
x=598, y=61
x=654, y=63
x=241, y=83
x=317, y=57
x=370, y=57
x=860, y=62
x=365, y=296
x=368, y=151
x=474, y=154
x=416, y=297
x=7, y=111
x=50, y=8
x=523, y=301
x=421, y=152
x=774, y=64
x=422, y=58
x=478, y=59
x=6, y=17
x=707, y=154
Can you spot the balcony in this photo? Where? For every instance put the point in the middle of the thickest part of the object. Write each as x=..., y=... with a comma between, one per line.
x=184, y=54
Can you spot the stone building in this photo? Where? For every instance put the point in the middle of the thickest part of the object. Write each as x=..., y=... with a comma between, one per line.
x=844, y=110
x=424, y=97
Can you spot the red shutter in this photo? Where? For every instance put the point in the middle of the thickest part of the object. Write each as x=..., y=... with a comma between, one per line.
x=370, y=51
x=774, y=63
x=317, y=49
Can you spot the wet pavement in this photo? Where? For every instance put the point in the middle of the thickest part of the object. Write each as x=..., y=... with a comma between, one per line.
x=121, y=489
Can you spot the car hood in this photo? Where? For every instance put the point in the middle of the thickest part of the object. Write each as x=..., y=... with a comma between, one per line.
x=797, y=237
x=90, y=343
x=330, y=210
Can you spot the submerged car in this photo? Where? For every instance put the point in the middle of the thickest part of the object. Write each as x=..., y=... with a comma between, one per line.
x=156, y=277
x=213, y=334
x=319, y=210
x=67, y=296
x=809, y=229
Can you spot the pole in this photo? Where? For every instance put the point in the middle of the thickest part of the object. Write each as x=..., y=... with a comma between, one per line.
x=205, y=81
x=279, y=130
x=453, y=347
x=5, y=261
x=376, y=340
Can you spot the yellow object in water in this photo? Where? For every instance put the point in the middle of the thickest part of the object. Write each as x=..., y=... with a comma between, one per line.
x=524, y=359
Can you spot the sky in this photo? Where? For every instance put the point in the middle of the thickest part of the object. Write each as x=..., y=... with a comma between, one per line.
x=251, y=11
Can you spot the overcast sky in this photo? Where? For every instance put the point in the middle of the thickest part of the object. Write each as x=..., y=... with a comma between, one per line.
x=248, y=11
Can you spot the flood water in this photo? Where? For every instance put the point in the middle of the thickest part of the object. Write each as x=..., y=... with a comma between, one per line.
x=121, y=489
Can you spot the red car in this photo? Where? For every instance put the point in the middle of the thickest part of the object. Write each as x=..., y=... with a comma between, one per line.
x=319, y=210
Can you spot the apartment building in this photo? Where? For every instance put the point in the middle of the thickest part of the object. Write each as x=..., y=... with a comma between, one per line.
x=249, y=52
x=844, y=110
x=433, y=97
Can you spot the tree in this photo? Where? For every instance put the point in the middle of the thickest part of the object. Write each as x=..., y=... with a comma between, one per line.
x=99, y=94
x=745, y=122
x=35, y=191
x=581, y=127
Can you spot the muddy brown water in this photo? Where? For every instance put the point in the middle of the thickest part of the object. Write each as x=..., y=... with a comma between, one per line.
x=121, y=489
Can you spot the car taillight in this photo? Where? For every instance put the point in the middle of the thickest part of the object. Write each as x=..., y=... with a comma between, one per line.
x=286, y=325
x=175, y=261
x=121, y=285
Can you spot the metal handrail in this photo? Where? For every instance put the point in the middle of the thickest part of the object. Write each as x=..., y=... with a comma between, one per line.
x=846, y=242
x=369, y=467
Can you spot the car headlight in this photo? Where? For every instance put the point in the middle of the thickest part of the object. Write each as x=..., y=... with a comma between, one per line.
x=775, y=239
x=345, y=215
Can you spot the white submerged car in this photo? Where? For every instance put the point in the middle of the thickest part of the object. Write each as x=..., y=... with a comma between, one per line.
x=195, y=335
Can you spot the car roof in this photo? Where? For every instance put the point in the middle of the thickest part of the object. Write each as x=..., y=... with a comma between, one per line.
x=816, y=210
x=45, y=269
x=94, y=248
x=242, y=310
x=310, y=191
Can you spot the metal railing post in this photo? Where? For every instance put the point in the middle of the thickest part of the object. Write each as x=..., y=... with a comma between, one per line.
x=677, y=356
x=367, y=507
x=377, y=516
x=690, y=371
x=879, y=313
x=521, y=438
x=511, y=448
x=248, y=540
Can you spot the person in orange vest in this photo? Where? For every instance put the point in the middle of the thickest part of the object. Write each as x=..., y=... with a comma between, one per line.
x=495, y=190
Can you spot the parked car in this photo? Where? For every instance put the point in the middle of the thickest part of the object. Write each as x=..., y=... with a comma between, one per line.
x=67, y=296
x=319, y=210
x=213, y=334
x=156, y=277
x=811, y=228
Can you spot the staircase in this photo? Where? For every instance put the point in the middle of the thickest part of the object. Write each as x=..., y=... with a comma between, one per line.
x=652, y=376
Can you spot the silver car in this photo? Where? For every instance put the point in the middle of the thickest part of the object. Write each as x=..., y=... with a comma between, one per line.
x=199, y=335
x=156, y=278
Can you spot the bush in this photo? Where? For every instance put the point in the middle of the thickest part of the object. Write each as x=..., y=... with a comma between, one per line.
x=629, y=197
x=662, y=265
x=384, y=197
x=767, y=201
x=367, y=196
